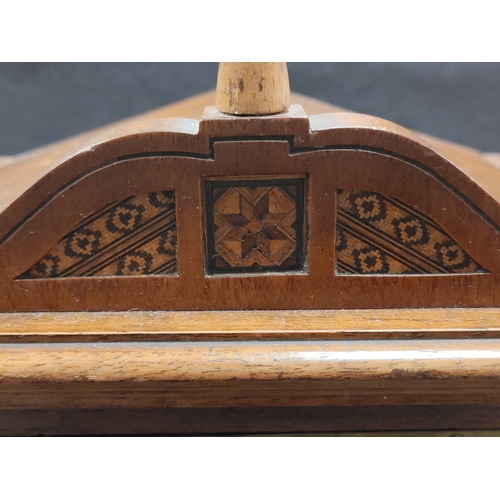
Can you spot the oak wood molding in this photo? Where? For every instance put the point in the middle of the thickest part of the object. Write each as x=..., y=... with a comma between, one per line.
x=228, y=374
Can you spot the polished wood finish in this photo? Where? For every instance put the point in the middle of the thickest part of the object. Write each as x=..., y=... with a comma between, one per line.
x=252, y=88
x=275, y=356
x=388, y=159
x=34, y=164
x=143, y=326
x=228, y=374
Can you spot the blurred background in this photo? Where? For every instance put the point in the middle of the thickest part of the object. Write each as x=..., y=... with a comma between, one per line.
x=45, y=102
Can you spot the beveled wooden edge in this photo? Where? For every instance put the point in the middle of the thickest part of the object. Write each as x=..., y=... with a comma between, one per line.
x=249, y=374
x=143, y=326
x=34, y=164
x=193, y=137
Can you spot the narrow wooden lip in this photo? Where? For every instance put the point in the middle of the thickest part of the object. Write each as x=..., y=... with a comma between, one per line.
x=175, y=326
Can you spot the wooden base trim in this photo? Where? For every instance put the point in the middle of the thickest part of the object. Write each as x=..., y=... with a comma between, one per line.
x=270, y=420
x=142, y=326
x=230, y=374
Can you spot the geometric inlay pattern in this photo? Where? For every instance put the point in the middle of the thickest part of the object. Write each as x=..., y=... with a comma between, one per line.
x=136, y=236
x=381, y=235
x=255, y=226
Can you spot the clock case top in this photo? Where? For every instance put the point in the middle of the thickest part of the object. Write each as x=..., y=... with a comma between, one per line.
x=296, y=211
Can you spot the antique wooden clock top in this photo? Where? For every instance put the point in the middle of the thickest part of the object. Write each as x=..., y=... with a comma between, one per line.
x=258, y=220
x=274, y=209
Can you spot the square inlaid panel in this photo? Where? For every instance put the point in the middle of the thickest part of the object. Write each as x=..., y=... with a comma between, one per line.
x=255, y=225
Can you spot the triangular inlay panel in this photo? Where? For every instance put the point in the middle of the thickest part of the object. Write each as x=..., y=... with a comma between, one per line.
x=136, y=236
x=381, y=235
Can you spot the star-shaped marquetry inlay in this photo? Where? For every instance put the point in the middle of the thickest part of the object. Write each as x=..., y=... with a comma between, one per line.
x=255, y=226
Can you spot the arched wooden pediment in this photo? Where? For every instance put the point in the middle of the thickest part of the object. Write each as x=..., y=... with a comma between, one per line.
x=282, y=212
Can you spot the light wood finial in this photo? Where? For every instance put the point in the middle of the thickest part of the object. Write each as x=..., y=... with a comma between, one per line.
x=252, y=88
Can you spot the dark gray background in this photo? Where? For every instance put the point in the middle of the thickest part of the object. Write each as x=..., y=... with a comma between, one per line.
x=45, y=102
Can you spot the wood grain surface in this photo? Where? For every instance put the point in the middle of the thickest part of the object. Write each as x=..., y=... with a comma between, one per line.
x=251, y=88
x=35, y=163
x=140, y=326
x=389, y=160
x=206, y=374
x=426, y=358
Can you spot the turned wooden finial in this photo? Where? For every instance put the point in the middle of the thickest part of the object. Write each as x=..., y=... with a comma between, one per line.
x=252, y=88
